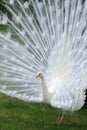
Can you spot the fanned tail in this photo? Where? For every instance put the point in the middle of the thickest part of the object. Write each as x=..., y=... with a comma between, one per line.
x=50, y=35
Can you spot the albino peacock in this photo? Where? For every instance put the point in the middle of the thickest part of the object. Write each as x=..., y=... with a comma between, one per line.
x=46, y=39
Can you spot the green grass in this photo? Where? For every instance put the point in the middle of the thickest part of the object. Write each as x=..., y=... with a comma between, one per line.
x=19, y=115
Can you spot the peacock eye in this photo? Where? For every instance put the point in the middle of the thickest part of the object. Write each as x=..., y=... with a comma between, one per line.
x=39, y=75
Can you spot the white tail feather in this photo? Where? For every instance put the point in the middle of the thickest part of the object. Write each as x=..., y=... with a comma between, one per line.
x=50, y=35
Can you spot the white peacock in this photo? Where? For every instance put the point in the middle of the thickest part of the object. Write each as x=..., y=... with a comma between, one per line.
x=52, y=35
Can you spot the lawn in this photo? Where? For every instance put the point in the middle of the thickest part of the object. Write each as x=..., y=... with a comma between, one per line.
x=16, y=114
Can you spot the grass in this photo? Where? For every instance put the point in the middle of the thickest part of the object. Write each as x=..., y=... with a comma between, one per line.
x=16, y=114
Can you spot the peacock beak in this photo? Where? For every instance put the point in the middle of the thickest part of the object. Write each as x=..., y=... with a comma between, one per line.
x=37, y=76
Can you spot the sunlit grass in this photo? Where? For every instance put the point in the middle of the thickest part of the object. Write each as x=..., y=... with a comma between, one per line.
x=19, y=115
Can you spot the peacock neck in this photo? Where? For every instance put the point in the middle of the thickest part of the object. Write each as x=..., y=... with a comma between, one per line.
x=46, y=93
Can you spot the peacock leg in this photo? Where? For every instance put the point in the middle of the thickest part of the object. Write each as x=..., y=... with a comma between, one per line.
x=58, y=118
x=61, y=118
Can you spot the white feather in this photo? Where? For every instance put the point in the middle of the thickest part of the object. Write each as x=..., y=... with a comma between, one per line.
x=52, y=37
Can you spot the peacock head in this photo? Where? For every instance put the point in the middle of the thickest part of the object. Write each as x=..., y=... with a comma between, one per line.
x=39, y=74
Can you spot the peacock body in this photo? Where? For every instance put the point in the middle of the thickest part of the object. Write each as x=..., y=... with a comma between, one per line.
x=49, y=37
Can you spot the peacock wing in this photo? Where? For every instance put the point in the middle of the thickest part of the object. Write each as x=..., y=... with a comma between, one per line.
x=69, y=96
x=66, y=78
